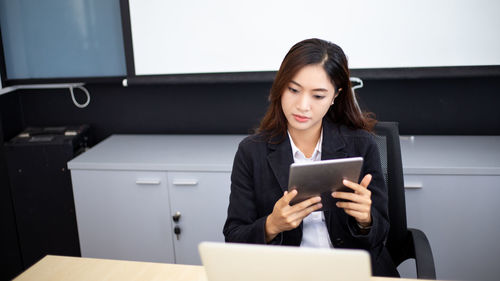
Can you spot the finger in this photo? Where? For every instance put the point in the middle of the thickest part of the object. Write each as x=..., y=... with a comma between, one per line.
x=352, y=185
x=356, y=198
x=366, y=181
x=293, y=219
x=353, y=206
x=300, y=215
x=306, y=203
x=288, y=196
x=359, y=216
x=356, y=187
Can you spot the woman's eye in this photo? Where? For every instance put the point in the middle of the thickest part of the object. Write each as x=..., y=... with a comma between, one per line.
x=293, y=90
x=319, y=97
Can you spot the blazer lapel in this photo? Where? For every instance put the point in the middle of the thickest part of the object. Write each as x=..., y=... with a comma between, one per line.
x=280, y=153
x=280, y=158
x=333, y=145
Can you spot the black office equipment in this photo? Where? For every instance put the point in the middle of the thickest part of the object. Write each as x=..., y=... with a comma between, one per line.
x=42, y=192
x=403, y=243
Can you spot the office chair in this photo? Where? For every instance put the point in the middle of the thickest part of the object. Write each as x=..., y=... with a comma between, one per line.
x=403, y=243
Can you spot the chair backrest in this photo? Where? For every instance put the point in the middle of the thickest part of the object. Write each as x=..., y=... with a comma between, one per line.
x=387, y=138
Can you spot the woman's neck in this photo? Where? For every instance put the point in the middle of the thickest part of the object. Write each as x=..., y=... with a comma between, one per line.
x=306, y=140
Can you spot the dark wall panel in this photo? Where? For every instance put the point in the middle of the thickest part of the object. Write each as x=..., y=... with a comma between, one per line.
x=451, y=106
x=172, y=109
x=445, y=106
x=12, y=117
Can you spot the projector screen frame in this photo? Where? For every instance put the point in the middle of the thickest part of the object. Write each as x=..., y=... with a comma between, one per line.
x=3, y=69
x=240, y=77
x=268, y=76
x=7, y=82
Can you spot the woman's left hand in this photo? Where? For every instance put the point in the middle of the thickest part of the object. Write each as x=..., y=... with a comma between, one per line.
x=359, y=203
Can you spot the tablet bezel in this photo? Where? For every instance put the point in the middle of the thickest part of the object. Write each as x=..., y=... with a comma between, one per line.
x=318, y=177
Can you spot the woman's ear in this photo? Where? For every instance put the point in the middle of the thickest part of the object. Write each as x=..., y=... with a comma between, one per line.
x=337, y=93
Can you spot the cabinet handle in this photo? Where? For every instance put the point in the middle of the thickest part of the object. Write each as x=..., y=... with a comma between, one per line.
x=413, y=186
x=185, y=182
x=147, y=181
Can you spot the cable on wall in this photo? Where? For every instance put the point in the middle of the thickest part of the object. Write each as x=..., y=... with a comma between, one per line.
x=356, y=80
x=73, y=96
x=70, y=86
x=358, y=86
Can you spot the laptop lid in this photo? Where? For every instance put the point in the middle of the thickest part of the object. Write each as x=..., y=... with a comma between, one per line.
x=249, y=262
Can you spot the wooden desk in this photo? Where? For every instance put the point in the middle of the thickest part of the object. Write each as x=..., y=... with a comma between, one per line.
x=55, y=268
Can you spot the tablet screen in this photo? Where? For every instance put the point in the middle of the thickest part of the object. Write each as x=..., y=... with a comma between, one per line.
x=315, y=178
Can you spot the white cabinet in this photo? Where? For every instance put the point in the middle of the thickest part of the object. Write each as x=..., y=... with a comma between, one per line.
x=459, y=215
x=201, y=199
x=123, y=215
x=453, y=186
x=128, y=188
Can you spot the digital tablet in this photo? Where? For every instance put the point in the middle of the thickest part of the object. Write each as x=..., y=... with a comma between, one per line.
x=314, y=178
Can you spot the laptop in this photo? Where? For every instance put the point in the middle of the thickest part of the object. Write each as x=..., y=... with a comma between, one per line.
x=249, y=262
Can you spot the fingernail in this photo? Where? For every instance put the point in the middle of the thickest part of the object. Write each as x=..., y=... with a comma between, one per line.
x=344, y=182
x=337, y=204
x=334, y=193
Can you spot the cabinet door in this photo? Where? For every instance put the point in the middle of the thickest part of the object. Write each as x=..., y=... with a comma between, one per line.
x=201, y=199
x=459, y=215
x=123, y=215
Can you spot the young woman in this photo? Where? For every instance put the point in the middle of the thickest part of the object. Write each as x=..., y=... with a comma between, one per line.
x=312, y=116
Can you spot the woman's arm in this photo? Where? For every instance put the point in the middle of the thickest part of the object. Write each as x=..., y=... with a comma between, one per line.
x=243, y=224
x=246, y=221
x=368, y=205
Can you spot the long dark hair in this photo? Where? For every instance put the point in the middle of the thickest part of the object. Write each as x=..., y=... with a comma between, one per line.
x=334, y=62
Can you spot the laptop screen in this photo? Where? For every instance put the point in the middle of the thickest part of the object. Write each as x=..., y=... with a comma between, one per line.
x=249, y=262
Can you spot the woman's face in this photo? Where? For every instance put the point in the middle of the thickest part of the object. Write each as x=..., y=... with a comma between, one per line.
x=307, y=99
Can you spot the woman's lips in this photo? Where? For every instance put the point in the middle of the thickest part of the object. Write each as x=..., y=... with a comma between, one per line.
x=300, y=118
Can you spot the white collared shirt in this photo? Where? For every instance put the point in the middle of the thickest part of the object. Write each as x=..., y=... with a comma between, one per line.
x=314, y=231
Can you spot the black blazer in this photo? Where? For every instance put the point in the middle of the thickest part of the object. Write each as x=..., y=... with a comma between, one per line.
x=260, y=176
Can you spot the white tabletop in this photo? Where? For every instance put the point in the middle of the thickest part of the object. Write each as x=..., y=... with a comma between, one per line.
x=455, y=155
x=52, y=268
x=161, y=152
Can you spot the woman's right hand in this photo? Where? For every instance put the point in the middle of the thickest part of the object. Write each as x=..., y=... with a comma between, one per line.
x=285, y=217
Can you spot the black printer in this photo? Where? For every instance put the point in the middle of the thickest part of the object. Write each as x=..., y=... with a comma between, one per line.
x=41, y=189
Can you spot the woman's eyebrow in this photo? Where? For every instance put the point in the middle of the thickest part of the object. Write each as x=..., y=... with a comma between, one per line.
x=320, y=90
x=296, y=83
x=314, y=90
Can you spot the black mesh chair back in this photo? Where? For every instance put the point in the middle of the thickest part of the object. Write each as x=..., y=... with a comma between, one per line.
x=403, y=243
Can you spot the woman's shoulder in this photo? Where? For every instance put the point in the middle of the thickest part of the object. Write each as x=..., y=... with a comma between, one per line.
x=254, y=141
x=253, y=148
x=355, y=133
x=358, y=141
x=348, y=132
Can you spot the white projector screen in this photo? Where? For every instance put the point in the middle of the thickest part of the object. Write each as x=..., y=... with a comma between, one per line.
x=213, y=36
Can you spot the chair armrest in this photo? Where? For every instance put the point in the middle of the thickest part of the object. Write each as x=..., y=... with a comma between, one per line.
x=423, y=255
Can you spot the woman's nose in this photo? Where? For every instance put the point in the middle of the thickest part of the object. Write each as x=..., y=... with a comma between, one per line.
x=304, y=103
